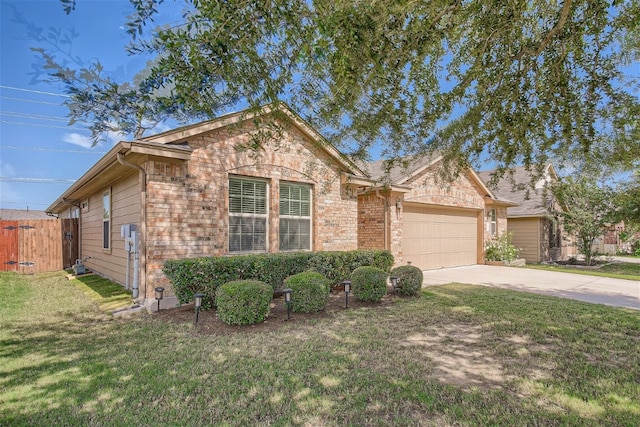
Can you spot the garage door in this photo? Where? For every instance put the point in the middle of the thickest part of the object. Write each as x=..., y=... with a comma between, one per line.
x=439, y=237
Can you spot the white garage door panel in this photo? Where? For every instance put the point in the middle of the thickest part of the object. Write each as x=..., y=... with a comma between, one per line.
x=436, y=238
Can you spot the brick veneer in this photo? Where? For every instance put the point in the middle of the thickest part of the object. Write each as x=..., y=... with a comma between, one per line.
x=187, y=215
x=426, y=188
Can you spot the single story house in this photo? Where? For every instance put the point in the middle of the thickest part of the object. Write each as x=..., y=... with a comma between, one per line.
x=538, y=235
x=264, y=181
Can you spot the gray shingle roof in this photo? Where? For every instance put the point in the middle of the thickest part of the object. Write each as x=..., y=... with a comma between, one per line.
x=20, y=214
x=400, y=171
x=532, y=200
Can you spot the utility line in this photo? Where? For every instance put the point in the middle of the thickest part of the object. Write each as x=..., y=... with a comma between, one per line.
x=33, y=116
x=34, y=91
x=22, y=203
x=13, y=147
x=43, y=126
x=57, y=104
x=35, y=180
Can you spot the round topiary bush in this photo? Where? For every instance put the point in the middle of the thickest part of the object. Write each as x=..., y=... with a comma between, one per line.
x=243, y=302
x=369, y=283
x=409, y=279
x=309, y=291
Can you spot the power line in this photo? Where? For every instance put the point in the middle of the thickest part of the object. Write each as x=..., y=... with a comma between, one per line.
x=33, y=116
x=36, y=180
x=34, y=91
x=13, y=147
x=43, y=126
x=22, y=203
x=57, y=104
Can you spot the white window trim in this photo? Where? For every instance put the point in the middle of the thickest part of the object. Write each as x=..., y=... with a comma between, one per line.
x=310, y=217
x=493, y=222
x=248, y=215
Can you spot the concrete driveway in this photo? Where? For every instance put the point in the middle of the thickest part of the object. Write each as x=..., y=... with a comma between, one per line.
x=601, y=290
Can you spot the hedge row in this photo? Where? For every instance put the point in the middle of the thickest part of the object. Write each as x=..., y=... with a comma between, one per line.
x=205, y=275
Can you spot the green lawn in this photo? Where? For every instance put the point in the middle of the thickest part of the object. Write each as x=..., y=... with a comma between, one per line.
x=457, y=355
x=616, y=270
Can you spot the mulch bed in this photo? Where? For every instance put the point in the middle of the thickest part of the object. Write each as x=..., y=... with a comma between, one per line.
x=208, y=322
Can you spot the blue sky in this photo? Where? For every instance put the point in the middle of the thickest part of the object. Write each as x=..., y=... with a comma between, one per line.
x=40, y=155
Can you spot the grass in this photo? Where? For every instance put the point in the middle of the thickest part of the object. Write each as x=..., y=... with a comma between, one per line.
x=617, y=270
x=457, y=355
x=107, y=295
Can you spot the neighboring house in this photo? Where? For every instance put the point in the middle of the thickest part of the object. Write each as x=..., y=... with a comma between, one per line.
x=200, y=191
x=610, y=243
x=534, y=231
x=23, y=214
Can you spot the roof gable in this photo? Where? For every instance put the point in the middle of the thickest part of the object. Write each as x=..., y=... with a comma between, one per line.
x=279, y=110
x=409, y=169
x=531, y=199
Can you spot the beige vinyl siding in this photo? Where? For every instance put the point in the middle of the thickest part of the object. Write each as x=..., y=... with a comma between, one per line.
x=525, y=234
x=439, y=237
x=125, y=209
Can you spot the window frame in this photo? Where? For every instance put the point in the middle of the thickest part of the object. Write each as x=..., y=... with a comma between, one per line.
x=106, y=220
x=492, y=216
x=284, y=217
x=247, y=215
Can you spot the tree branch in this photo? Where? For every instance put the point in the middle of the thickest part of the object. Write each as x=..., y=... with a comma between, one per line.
x=562, y=20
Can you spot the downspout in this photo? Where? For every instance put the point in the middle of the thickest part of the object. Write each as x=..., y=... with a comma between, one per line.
x=143, y=221
x=386, y=219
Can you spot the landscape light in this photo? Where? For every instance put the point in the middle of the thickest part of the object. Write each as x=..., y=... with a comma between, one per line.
x=347, y=289
x=198, y=303
x=159, y=291
x=394, y=283
x=287, y=301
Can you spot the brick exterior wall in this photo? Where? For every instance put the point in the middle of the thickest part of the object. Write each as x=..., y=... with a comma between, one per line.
x=461, y=193
x=426, y=188
x=371, y=225
x=187, y=209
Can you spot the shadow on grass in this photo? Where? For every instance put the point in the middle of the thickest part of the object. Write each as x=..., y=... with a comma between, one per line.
x=350, y=370
x=103, y=287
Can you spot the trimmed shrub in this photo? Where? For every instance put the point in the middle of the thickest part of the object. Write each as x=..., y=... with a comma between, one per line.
x=338, y=266
x=369, y=283
x=410, y=279
x=309, y=291
x=206, y=274
x=243, y=302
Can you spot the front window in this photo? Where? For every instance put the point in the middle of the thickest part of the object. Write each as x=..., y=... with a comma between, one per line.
x=493, y=223
x=247, y=215
x=106, y=220
x=295, y=217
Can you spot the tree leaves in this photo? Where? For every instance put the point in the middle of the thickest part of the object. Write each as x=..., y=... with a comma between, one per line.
x=519, y=82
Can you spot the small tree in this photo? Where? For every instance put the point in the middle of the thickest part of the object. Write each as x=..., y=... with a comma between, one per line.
x=586, y=210
x=628, y=200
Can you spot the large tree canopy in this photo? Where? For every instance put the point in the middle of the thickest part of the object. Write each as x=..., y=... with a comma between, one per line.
x=521, y=81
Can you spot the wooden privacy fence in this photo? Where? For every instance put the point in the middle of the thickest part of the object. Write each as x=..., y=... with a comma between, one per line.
x=38, y=246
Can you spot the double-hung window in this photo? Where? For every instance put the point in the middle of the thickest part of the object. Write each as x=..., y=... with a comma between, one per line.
x=295, y=217
x=247, y=215
x=493, y=223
